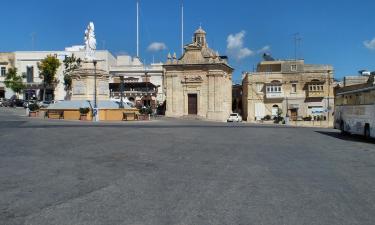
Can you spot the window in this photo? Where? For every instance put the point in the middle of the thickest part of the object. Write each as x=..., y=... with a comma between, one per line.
x=30, y=74
x=259, y=87
x=3, y=71
x=316, y=87
x=293, y=67
x=274, y=89
x=294, y=88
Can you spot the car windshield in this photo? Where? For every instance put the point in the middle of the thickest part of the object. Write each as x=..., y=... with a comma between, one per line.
x=233, y=114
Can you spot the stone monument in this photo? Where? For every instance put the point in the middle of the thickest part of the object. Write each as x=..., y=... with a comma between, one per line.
x=90, y=82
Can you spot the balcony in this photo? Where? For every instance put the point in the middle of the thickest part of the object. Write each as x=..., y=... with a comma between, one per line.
x=273, y=95
x=133, y=93
x=315, y=94
x=274, y=90
x=315, y=90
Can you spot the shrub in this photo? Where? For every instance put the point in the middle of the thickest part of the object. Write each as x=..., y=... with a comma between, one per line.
x=307, y=118
x=34, y=107
x=267, y=118
x=278, y=119
x=84, y=111
x=145, y=110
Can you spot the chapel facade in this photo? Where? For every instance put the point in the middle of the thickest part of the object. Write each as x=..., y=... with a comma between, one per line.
x=199, y=84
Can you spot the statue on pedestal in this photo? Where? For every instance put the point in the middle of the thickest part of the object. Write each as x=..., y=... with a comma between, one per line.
x=87, y=79
x=90, y=42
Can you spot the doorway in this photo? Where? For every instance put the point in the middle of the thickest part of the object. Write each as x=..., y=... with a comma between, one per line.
x=294, y=114
x=192, y=104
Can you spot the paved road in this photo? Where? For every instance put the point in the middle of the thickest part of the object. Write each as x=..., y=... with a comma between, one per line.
x=181, y=172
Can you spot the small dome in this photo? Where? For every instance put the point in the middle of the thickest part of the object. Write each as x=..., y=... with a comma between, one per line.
x=200, y=31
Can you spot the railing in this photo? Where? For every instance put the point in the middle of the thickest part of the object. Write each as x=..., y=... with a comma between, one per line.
x=315, y=94
x=275, y=95
x=136, y=93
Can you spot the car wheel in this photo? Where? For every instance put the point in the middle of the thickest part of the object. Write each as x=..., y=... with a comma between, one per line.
x=367, y=132
x=342, y=128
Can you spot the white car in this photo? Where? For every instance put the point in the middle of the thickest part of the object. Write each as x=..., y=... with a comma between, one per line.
x=234, y=117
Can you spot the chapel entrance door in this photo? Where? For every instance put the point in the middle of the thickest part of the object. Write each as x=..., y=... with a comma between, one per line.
x=293, y=114
x=192, y=104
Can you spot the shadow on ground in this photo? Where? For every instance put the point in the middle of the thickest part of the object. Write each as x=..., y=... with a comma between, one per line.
x=347, y=137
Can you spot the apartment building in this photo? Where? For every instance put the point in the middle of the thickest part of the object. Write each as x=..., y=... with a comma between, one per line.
x=299, y=90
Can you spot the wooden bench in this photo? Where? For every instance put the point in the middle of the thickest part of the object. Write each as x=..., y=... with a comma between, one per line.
x=55, y=114
x=129, y=116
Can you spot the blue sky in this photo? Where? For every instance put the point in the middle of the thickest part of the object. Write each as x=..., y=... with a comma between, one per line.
x=332, y=32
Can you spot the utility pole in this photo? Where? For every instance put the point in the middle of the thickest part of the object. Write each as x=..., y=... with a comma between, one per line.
x=96, y=118
x=329, y=90
x=137, y=28
x=297, y=40
x=182, y=28
x=103, y=43
x=33, y=37
x=121, y=92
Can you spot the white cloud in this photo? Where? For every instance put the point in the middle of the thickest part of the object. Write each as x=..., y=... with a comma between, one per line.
x=235, y=46
x=265, y=49
x=370, y=44
x=156, y=46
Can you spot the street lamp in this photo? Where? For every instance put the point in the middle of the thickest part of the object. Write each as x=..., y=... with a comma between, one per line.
x=121, y=92
x=96, y=111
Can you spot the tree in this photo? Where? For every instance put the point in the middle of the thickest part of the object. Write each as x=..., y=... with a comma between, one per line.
x=47, y=70
x=14, y=82
x=71, y=63
x=279, y=117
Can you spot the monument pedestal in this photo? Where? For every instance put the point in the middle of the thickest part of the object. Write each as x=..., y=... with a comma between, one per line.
x=83, y=83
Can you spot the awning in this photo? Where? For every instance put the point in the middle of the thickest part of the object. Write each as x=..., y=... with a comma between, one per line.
x=317, y=110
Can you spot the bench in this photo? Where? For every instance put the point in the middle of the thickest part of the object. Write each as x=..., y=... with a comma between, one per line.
x=129, y=116
x=55, y=114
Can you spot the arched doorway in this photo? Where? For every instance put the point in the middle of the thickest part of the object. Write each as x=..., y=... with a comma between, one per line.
x=275, y=110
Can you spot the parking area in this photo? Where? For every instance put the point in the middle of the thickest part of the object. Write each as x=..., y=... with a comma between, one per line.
x=181, y=172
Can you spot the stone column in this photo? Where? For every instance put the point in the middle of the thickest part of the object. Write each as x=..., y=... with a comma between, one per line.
x=169, y=86
x=211, y=93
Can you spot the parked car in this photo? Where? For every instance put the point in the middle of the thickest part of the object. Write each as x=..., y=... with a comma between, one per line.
x=1, y=102
x=29, y=102
x=234, y=117
x=8, y=103
x=18, y=102
x=4, y=102
x=45, y=104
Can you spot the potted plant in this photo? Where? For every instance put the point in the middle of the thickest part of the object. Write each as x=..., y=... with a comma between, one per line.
x=83, y=113
x=145, y=113
x=278, y=118
x=34, y=109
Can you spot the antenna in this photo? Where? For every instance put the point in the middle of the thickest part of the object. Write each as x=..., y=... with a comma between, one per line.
x=297, y=40
x=182, y=27
x=137, y=28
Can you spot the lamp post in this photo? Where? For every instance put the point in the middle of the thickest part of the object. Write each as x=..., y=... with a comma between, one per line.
x=96, y=110
x=121, y=92
x=287, y=111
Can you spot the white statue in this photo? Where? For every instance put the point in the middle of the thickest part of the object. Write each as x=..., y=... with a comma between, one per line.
x=90, y=42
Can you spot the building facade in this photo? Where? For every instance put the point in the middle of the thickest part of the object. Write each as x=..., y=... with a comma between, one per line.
x=199, y=84
x=6, y=62
x=299, y=90
x=27, y=62
x=140, y=84
x=361, y=78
